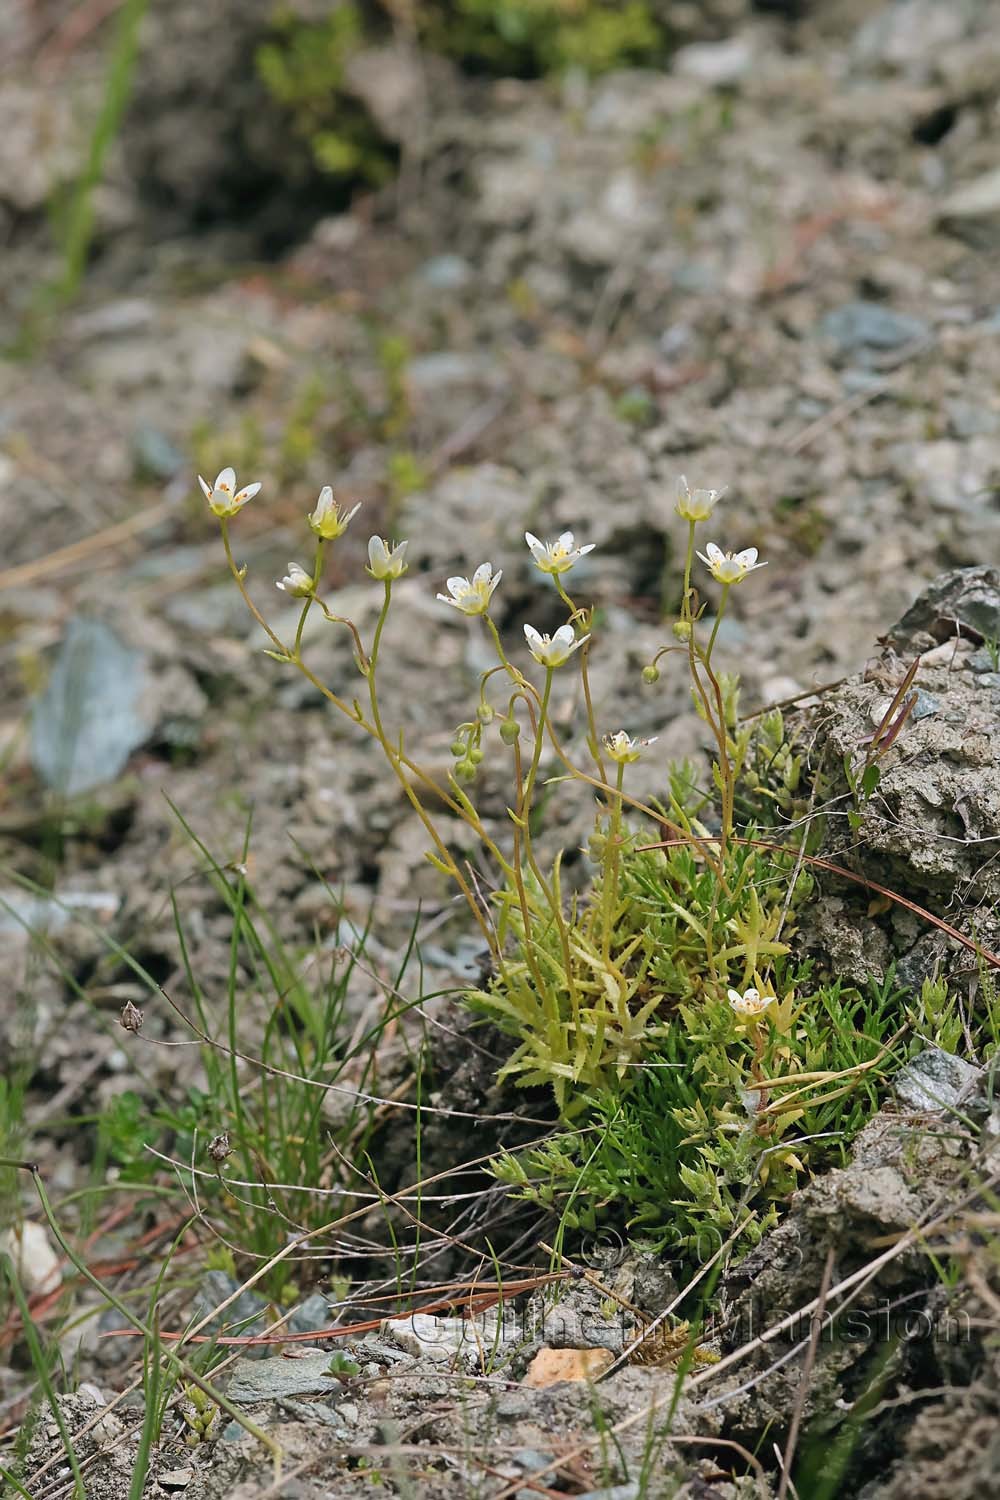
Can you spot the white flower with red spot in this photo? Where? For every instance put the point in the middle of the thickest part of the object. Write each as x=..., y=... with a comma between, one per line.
x=328, y=520
x=558, y=556
x=472, y=595
x=553, y=650
x=695, y=505
x=730, y=567
x=223, y=496
x=750, y=1004
x=384, y=560
x=623, y=749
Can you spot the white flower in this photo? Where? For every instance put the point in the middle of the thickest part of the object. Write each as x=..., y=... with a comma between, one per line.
x=220, y=495
x=553, y=650
x=730, y=567
x=472, y=595
x=750, y=1004
x=558, y=556
x=623, y=749
x=327, y=519
x=296, y=581
x=695, y=505
x=385, y=561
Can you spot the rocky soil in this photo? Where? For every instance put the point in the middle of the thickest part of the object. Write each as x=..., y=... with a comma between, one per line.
x=770, y=266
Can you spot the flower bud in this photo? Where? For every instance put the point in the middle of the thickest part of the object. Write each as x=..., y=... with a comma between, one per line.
x=651, y=673
x=509, y=731
x=682, y=630
x=457, y=748
x=475, y=755
x=465, y=770
x=485, y=714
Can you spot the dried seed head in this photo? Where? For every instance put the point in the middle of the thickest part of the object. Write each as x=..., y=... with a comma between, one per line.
x=130, y=1018
x=219, y=1147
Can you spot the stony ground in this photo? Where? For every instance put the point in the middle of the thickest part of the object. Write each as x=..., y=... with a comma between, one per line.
x=772, y=267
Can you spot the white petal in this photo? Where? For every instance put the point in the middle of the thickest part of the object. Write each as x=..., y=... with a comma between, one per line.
x=565, y=634
x=536, y=546
x=566, y=541
x=532, y=636
x=746, y=559
x=399, y=551
x=376, y=550
x=325, y=497
x=457, y=585
x=246, y=493
x=751, y=996
x=715, y=554
x=445, y=600
x=482, y=573
x=225, y=480
x=735, y=998
x=206, y=488
x=496, y=579
x=589, y=548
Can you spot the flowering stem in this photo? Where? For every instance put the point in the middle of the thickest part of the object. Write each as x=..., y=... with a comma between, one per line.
x=718, y=621
x=522, y=826
x=498, y=643
x=316, y=575
x=238, y=576
x=586, y=620
x=609, y=893
x=543, y=716
x=396, y=762
x=688, y=561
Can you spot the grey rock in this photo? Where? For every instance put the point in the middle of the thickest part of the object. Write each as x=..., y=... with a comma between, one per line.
x=967, y=597
x=21, y=913
x=947, y=474
x=935, y=1081
x=275, y=1378
x=89, y=719
x=715, y=63
x=155, y=454
x=906, y=35
x=861, y=329
x=315, y=1413
x=174, y=1479
x=446, y=273
x=314, y=1312
x=391, y=84
x=126, y=315
x=973, y=210
x=244, y=1315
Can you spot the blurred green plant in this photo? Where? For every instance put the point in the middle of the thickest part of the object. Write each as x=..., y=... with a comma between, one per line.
x=72, y=207
x=303, y=67
x=530, y=37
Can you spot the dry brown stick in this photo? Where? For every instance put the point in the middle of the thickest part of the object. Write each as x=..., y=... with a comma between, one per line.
x=64, y=557
x=816, y=1327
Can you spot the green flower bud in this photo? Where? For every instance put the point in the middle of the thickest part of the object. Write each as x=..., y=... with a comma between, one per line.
x=682, y=630
x=475, y=755
x=509, y=731
x=485, y=714
x=465, y=771
x=651, y=673
x=457, y=748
